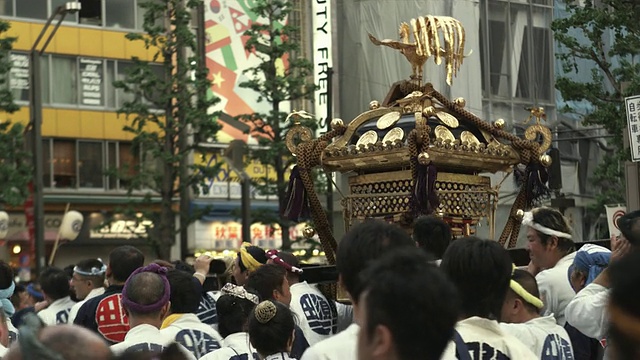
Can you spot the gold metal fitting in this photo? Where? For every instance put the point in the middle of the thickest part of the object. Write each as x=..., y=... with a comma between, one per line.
x=545, y=160
x=309, y=232
x=423, y=158
x=519, y=214
x=461, y=102
x=499, y=124
x=374, y=104
x=336, y=123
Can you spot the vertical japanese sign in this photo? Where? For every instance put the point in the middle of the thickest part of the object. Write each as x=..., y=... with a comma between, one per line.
x=321, y=21
x=91, y=82
x=19, y=76
x=632, y=105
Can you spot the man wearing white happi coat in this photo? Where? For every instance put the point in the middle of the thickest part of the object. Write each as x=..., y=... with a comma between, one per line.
x=88, y=282
x=362, y=245
x=521, y=318
x=316, y=315
x=551, y=249
x=183, y=325
x=481, y=271
x=587, y=311
x=145, y=298
x=234, y=347
x=55, y=287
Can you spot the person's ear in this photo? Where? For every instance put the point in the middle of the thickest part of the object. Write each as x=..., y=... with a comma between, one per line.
x=109, y=272
x=552, y=243
x=517, y=305
x=166, y=309
x=382, y=342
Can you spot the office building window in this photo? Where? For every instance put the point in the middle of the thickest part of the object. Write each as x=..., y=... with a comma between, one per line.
x=32, y=9
x=64, y=80
x=91, y=12
x=6, y=7
x=64, y=164
x=81, y=164
x=84, y=82
x=90, y=165
x=516, y=54
x=516, y=49
x=120, y=14
x=110, y=90
x=123, y=67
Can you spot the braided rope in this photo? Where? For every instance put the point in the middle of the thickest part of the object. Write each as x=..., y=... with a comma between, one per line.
x=512, y=228
x=309, y=156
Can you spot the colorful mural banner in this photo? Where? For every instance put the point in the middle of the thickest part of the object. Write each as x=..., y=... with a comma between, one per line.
x=225, y=24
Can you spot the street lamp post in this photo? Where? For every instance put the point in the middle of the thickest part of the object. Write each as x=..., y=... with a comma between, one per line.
x=35, y=109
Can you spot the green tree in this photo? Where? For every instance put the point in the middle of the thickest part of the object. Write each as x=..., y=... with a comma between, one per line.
x=15, y=162
x=603, y=36
x=277, y=84
x=168, y=115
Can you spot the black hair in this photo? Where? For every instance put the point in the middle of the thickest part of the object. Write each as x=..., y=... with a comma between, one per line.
x=123, y=261
x=145, y=288
x=625, y=278
x=6, y=275
x=86, y=266
x=553, y=219
x=629, y=225
x=414, y=299
x=528, y=282
x=292, y=260
x=185, y=293
x=363, y=244
x=273, y=336
x=184, y=266
x=432, y=234
x=54, y=283
x=481, y=270
x=233, y=313
x=15, y=298
x=265, y=279
x=257, y=253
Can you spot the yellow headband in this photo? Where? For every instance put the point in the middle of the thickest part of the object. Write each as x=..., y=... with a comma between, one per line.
x=520, y=291
x=247, y=259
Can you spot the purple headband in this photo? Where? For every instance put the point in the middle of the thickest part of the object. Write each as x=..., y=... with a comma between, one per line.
x=145, y=309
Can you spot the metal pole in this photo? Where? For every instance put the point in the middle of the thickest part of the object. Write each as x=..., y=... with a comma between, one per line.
x=246, y=208
x=35, y=108
x=328, y=121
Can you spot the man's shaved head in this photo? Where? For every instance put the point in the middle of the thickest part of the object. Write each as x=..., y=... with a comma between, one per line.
x=70, y=341
x=145, y=288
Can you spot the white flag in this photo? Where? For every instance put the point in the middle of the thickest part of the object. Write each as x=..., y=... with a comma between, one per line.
x=613, y=214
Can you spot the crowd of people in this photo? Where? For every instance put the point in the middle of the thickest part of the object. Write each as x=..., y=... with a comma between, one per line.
x=419, y=296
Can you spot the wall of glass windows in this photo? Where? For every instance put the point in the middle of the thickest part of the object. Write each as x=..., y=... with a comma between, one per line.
x=112, y=14
x=516, y=50
x=72, y=81
x=85, y=164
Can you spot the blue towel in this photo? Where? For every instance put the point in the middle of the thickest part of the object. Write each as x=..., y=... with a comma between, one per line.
x=592, y=260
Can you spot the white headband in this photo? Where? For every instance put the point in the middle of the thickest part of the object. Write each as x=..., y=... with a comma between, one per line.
x=93, y=272
x=527, y=220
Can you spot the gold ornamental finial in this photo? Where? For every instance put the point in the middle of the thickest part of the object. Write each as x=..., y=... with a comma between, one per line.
x=296, y=115
x=442, y=37
x=537, y=113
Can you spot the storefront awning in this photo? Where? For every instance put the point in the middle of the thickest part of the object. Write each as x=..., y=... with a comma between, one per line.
x=227, y=210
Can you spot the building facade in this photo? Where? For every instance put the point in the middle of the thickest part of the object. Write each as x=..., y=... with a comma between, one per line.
x=82, y=133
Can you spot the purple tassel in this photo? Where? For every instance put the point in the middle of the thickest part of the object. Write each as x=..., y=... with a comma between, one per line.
x=425, y=199
x=537, y=180
x=297, y=200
